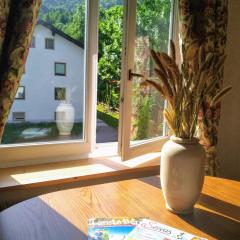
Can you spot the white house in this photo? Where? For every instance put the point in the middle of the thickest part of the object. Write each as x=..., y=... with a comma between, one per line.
x=54, y=72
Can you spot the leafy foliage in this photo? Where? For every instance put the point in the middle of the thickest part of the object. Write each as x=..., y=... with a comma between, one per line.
x=109, y=117
x=152, y=21
x=152, y=24
x=110, y=45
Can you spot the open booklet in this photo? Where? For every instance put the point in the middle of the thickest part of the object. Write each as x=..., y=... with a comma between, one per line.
x=134, y=229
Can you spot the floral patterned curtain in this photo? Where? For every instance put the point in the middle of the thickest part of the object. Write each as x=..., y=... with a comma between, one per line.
x=205, y=23
x=17, y=21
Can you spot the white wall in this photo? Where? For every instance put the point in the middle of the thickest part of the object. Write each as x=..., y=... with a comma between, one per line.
x=39, y=79
x=229, y=130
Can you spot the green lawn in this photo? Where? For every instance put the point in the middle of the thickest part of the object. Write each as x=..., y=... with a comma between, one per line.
x=22, y=132
x=14, y=132
x=109, y=117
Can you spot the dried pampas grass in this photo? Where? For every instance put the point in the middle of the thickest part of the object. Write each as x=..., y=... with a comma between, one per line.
x=186, y=89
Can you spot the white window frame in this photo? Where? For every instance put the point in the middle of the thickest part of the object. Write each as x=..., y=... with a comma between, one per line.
x=53, y=151
x=65, y=69
x=53, y=41
x=24, y=93
x=19, y=120
x=32, y=153
x=145, y=146
x=33, y=42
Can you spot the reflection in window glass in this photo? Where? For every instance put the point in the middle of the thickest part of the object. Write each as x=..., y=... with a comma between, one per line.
x=33, y=119
x=49, y=43
x=33, y=42
x=60, y=94
x=18, y=116
x=20, y=93
x=60, y=69
x=152, y=32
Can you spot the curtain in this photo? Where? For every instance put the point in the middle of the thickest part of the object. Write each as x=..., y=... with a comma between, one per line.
x=204, y=23
x=17, y=21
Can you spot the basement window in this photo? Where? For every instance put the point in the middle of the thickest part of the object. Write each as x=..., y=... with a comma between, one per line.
x=18, y=116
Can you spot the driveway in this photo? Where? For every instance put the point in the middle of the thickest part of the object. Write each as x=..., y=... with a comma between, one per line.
x=106, y=133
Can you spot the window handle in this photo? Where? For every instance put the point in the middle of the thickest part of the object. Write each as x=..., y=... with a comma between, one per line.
x=133, y=74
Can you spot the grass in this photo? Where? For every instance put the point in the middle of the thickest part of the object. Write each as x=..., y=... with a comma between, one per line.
x=109, y=117
x=13, y=132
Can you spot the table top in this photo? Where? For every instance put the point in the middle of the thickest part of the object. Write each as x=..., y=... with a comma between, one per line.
x=63, y=215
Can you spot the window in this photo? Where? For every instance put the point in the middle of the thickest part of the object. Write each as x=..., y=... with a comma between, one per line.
x=81, y=88
x=142, y=127
x=33, y=43
x=49, y=43
x=60, y=94
x=60, y=69
x=18, y=116
x=20, y=93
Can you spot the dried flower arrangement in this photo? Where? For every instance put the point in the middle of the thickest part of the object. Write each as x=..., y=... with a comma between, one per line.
x=186, y=89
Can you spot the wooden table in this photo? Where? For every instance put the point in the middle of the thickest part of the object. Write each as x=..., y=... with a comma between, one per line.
x=63, y=215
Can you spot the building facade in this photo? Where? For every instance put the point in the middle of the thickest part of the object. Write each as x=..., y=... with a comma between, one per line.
x=54, y=73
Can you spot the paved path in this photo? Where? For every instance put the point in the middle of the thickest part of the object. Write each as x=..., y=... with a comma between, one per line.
x=106, y=133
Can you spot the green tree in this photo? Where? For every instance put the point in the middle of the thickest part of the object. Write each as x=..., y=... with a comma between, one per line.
x=76, y=24
x=153, y=18
x=152, y=21
x=110, y=46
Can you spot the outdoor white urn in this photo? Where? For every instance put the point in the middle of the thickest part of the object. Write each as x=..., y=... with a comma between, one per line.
x=182, y=173
x=65, y=118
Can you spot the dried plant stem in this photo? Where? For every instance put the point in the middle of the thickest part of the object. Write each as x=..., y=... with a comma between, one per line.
x=186, y=89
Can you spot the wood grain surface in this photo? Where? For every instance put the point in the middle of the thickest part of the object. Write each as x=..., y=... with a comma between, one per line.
x=63, y=215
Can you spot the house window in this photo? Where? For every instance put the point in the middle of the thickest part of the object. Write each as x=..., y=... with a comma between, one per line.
x=49, y=43
x=59, y=115
x=18, y=116
x=60, y=69
x=60, y=94
x=20, y=93
x=83, y=93
x=33, y=42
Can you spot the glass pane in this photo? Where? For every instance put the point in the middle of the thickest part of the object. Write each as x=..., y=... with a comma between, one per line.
x=49, y=43
x=60, y=68
x=60, y=94
x=152, y=32
x=33, y=43
x=20, y=93
x=54, y=106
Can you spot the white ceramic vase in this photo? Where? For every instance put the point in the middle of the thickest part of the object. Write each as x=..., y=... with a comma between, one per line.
x=65, y=118
x=182, y=173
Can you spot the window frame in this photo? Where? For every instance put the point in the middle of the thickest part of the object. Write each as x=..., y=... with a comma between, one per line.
x=65, y=69
x=56, y=151
x=53, y=41
x=24, y=113
x=33, y=42
x=35, y=153
x=24, y=93
x=55, y=93
x=125, y=149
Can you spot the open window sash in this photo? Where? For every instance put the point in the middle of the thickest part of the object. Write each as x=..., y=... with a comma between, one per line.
x=142, y=128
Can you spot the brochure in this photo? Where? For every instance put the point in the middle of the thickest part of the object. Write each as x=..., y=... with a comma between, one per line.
x=134, y=229
x=151, y=230
x=111, y=228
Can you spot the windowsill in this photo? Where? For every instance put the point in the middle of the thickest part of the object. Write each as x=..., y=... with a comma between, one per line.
x=103, y=164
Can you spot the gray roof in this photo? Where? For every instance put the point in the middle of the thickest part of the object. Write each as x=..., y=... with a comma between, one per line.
x=60, y=33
